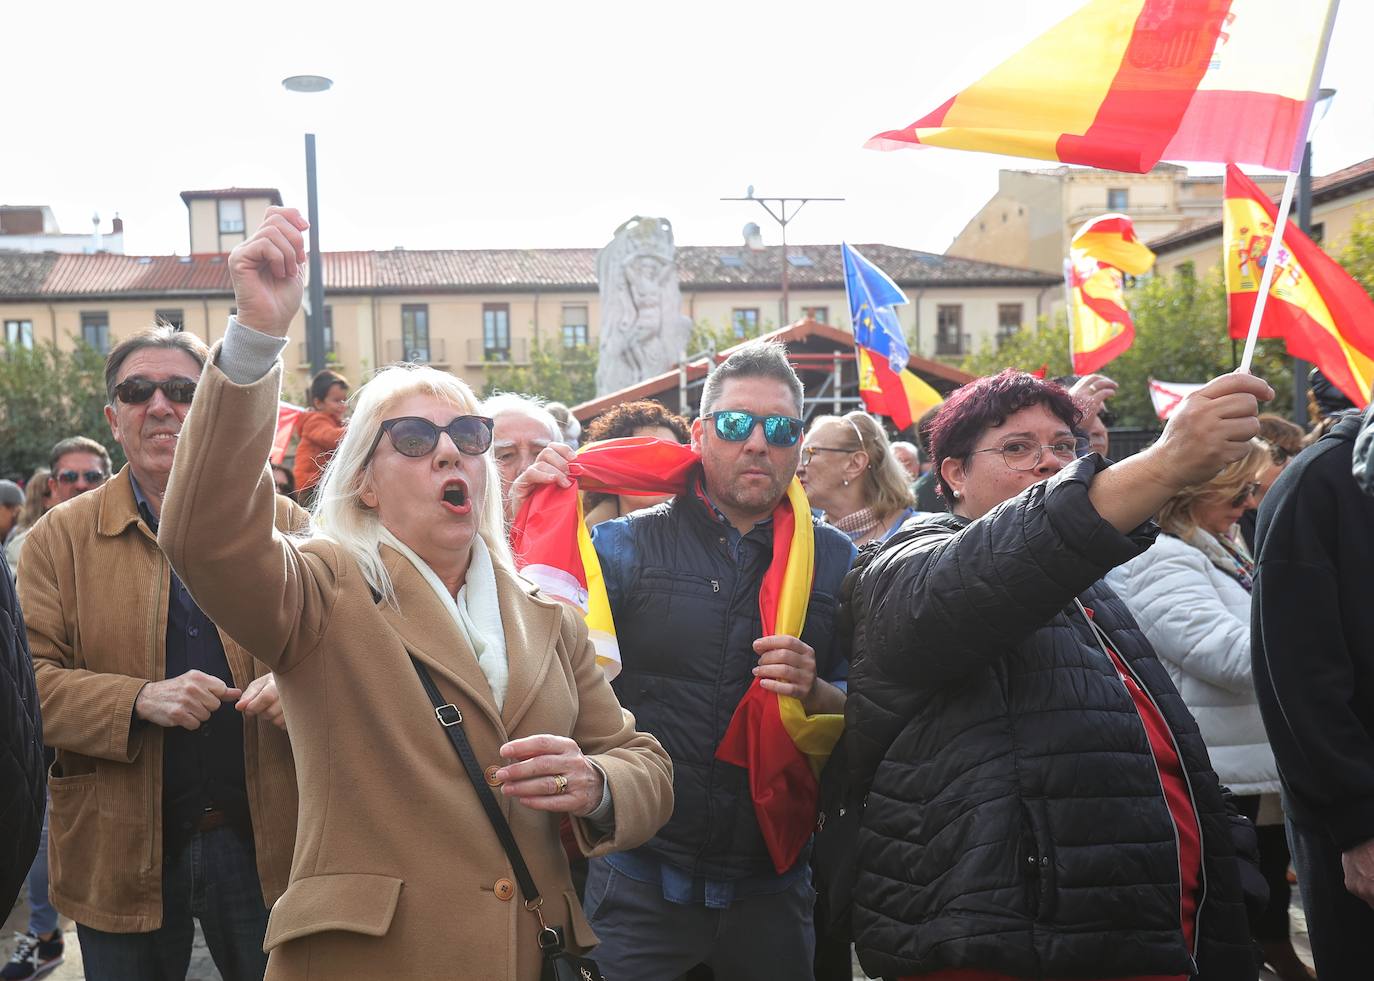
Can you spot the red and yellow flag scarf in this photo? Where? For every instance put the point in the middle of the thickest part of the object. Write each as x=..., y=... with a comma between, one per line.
x=770, y=735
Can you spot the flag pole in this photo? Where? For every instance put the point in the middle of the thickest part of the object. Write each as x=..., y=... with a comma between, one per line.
x=1267, y=279
x=1289, y=184
x=1068, y=306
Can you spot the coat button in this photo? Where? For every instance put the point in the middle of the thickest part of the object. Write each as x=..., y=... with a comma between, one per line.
x=504, y=890
x=490, y=773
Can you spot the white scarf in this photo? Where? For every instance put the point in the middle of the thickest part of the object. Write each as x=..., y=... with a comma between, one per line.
x=476, y=611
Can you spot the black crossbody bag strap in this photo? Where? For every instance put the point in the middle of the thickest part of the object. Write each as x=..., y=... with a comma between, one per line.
x=452, y=721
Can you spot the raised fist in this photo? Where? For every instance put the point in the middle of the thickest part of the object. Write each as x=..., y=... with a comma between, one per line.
x=267, y=272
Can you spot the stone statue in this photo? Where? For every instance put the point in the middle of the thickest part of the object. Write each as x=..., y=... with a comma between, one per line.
x=643, y=330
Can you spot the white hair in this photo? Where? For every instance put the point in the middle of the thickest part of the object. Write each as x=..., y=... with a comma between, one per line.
x=532, y=406
x=339, y=513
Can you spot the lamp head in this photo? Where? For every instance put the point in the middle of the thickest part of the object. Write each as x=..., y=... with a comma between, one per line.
x=307, y=83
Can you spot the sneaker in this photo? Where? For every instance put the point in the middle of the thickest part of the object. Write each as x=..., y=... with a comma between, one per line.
x=33, y=958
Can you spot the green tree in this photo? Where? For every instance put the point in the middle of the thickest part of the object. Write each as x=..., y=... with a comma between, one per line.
x=1180, y=335
x=46, y=395
x=555, y=372
x=707, y=336
x=1358, y=255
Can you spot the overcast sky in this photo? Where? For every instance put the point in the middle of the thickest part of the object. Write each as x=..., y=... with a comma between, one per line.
x=535, y=124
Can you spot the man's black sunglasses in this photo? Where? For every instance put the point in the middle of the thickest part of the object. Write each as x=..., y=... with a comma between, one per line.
x=414, y=437
x=136, y=391
x=736, y=425
x=92, y=476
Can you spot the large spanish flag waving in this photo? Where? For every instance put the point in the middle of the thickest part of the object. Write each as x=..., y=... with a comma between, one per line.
x=782, y=747
x=1103, y=250
x=1123, y=84
x=1323, y=315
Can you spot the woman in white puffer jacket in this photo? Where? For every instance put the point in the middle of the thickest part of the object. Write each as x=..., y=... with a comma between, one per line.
x=1190, y=592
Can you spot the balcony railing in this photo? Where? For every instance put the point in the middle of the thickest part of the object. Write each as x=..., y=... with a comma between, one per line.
x=303, y=355
x=433, y=353
x=479, y=354
x=948, y=345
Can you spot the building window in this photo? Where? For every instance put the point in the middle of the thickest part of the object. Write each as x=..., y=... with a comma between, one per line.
x=574, y=326
x=173, y=318
x=414, y=332
x=949, y=329
x=95, y=330
x=1117, y=199
x=1009, y=320
x=1187, y=271
x=1318, y=232
x=496, y=331
x=329, y=330
x=745, y=321
x=19, y=333
x=230, y=217
x=819, y=314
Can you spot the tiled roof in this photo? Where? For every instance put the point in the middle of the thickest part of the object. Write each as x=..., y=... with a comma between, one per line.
x=1330, y=187
x=23, y=273
x=233, y=192
x=491, y=270
x=804, y=339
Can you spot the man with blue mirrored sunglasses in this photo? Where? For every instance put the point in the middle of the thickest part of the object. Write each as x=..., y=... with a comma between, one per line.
x=683, y=580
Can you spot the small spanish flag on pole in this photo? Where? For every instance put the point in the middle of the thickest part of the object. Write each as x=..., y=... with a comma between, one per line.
x=1323, y=315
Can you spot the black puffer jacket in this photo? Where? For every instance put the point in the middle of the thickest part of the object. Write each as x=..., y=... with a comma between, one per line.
x=1015, y=820
x=686, y=616
x=21, y=748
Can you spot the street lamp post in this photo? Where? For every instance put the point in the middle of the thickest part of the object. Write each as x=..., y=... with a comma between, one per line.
x=782, y=218
x=1300, y=367
x=314, y=318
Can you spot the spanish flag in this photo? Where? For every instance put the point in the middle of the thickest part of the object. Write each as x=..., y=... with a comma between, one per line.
x=782, y=747
x=1123, y=84
x=886, y=385
x=1103, y=250
x=1323, y=315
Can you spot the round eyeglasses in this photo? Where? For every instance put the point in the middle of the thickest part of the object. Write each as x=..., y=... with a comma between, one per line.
x=1022, y=454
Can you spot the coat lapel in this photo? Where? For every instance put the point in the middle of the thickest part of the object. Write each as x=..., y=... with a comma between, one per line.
x=532, y=627
x=428, y=632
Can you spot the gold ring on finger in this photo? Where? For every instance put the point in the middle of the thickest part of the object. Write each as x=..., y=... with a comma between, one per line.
x=560, y=783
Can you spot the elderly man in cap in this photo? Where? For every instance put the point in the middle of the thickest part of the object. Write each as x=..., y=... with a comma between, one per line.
x=173, y=793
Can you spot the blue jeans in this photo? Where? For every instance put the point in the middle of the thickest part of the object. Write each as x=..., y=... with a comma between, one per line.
x=214, y=878
x=1339, y=925
x=42, y=916
x=649, y=938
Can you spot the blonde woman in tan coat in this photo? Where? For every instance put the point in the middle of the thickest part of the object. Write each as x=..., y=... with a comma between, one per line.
x=397, y=871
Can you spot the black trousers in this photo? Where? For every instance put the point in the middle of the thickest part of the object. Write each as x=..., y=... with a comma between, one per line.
x=1274, y=856
x=1341, y=926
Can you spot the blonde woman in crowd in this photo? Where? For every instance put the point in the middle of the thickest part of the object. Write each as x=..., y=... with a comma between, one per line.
x=1191, y=595
x=850, y=473
x=398, y=871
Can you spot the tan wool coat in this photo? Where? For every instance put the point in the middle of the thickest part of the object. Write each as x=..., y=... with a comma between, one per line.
x=397, y=872
x=94, y=588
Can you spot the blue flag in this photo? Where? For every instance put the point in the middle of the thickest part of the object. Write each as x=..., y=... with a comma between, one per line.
x=872, y=296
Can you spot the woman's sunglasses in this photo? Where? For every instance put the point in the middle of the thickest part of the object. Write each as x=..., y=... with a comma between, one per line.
x=136, y=391
x=415, y=437
x=736, y=425
x=1246, y=492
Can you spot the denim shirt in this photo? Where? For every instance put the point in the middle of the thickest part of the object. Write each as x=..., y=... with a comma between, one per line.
x=202, y=770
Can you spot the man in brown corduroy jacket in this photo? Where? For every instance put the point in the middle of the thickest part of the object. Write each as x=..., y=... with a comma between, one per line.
x=174, y=793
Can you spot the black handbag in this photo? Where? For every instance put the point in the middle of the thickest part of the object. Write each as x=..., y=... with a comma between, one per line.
x=559, y=963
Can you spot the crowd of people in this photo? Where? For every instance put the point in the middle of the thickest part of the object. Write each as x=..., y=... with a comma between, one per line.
x=1094, y=714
